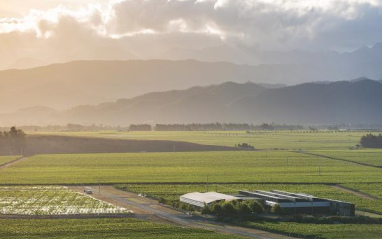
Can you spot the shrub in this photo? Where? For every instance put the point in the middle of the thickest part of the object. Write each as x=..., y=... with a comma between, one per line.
x=206, y=210
x=255, y=206
x=217, y=209
x=190, y=208
x=245, y=146
x=184, y=206
x=162, y=200
x=228, y=209
x=233, y=208
x=244, y=209
x=277, y=209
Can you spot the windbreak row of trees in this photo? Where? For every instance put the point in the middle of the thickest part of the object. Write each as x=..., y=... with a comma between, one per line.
x=182, y=127
x=140, y=127
x=371, y=141
x=68, y=127
x=13, y=140
x=233, y=208
x=213, y=127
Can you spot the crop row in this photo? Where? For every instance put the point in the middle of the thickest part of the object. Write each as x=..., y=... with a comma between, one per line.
x=255, y=166
x=329, y=231
x=99, y=228
x=50, y=201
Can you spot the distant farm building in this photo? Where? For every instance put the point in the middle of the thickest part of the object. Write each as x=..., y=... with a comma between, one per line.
x=200, y=199
x=292, y=203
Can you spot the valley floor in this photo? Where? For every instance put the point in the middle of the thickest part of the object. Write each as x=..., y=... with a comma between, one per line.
x=324, y=164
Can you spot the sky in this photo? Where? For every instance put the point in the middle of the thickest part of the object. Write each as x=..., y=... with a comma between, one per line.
x=47, y=31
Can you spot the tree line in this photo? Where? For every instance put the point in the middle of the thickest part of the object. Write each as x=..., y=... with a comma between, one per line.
x=371, y=141
x=233, y=208
x=68, y=127
x=71, y=127
x=213, y=127
x=14, y=140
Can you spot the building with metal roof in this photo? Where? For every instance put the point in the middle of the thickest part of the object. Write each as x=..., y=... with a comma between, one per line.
x=302, y=203
x=200, y=199
x=292, y=203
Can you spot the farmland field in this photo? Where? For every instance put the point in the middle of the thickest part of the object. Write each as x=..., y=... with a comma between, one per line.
x=329, y=231
x=366, y=156
x=307, y=140
x=373, y=189
x=236, y=166
x=284, y=166
x=7, y=159
x=51, y=200
x=172, y=192
x=99, y=228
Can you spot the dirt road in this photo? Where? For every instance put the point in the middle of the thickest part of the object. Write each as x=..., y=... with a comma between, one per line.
x=338, y=159
x=357, y=193
x=146, y=208
x=6, y=165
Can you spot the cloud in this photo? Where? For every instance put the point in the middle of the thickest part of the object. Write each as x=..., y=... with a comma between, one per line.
x=134, y=26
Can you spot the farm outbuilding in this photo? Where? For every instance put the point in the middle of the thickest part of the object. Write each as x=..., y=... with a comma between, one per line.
x=293, y=203
x=200, y=199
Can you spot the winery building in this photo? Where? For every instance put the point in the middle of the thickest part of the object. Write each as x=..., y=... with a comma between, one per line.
x=292, y=203
x=200, y=199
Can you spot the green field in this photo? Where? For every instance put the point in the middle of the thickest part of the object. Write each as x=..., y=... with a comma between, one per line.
x=283, y=166
x=365, y=156
x=99, y=229
x=329, y=231
x=373, y=189
x=239, y=166
x=307, y=140
x=7, y=159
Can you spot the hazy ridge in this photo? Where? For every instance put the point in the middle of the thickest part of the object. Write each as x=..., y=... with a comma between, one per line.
x=355, y=101
x=65, y=85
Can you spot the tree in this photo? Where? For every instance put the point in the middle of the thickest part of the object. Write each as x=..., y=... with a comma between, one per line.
x=228, y=209
x=217, y=209
x=206, y=210
x=255, y=206
x=245, y=146
x=4, y=139
x=244, y=209
x=14, y=140
x=277, y=209
x=371, y=141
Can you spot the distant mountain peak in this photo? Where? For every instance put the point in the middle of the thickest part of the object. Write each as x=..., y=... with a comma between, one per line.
x=361, y=79
x=377, y=46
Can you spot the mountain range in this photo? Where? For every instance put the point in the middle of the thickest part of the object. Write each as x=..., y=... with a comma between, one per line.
x=355, y=101
x=66, y=85
x=61, y=86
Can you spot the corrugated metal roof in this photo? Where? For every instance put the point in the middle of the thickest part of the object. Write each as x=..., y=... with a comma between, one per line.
x=208, y=197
